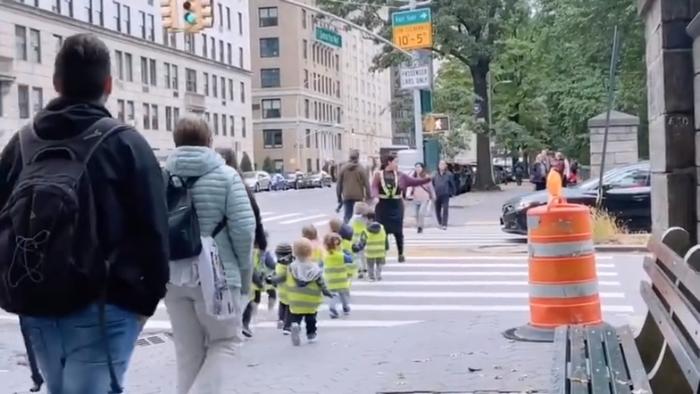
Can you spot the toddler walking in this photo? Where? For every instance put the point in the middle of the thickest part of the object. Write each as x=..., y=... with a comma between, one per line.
x=335, y=273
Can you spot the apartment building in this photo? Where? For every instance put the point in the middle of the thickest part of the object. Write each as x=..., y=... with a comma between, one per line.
x=158, y=76
x=313, y=95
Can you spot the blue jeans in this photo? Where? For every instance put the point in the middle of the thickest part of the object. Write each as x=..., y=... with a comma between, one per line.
x=349, y=207
x=71, y=351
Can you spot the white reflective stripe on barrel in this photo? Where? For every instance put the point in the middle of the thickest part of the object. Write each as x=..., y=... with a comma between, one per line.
x=583, y=289
x=561, y=249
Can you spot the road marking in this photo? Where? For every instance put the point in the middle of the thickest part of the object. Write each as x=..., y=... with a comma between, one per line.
x=447, y=283
x=263, y=214
x=456, y=294
x=483, y=223
x=485, y=257
x=464, y=308
x=473, y=265
x=288, y=215
x=322, y=223
x=470, y=273
x=165, y=324
x=305, y=218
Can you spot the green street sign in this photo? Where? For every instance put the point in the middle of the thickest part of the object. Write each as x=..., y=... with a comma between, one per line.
x=412, y=17
x=329, y=37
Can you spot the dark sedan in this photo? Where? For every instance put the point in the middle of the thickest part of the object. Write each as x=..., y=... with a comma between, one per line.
x=626, y=196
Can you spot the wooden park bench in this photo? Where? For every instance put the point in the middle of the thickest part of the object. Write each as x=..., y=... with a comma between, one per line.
x=665, y=356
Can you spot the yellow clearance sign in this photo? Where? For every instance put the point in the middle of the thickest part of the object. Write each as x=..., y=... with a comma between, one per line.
x=412, y=29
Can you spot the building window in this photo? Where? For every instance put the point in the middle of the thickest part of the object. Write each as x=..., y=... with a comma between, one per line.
x=205, y=47
x=272, y=138
x=228, y=18
x=223, y=125
x=229, y=52
x=166, y=67
x=168, y=119
x=306, y=78
x=307, y=107
x=271, y=108
x=154, y=113
x=214, y=86
x=35, y=46
x=130, y=115
x=129, y=67
x=99, y=5
x=189, y=42
x=153, y=72
x=240, y=23
x=57, y=42
x=220, y=15
x=146, y=117
x=216, y=124
x=143, y=24
x=232, y=120
x=190, y=80
x=308, y=138
x=21, y=43
x=305, y=48
x=221, y=51
x=270, y=77
x=176, y=115
x=230, y=89
x=37, y=100
x=212, y=40
x=127, y=18
x=269, y=47
x=175, y=81
x=240, y=57
x=243, y=127
x=223, y=87
x=23, y=101
x=267, y=16
x=117, y=16
x=303, y=19
x=119, y=60
x=144, y=70
x=308, y=165
x=242, y=87
x=151, y=28
x=120, y=110
x=206, y=84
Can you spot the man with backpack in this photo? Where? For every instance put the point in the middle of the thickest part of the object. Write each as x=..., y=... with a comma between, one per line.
x=83, y=229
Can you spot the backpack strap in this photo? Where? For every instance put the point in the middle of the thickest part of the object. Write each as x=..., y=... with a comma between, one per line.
x=219, y=227
x=80, y=147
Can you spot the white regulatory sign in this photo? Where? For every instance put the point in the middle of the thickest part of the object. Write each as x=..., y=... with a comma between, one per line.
x=415, y=77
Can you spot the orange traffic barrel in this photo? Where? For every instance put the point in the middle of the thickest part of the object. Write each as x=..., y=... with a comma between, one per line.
x=563, y=282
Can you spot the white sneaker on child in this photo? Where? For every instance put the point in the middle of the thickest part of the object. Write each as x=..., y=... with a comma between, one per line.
x=296, y=331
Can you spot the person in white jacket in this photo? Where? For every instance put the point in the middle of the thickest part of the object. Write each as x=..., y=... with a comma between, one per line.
x=205, y=344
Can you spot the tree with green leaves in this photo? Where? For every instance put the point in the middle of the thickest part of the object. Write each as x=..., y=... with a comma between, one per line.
x=246, y=163
x=465, y=30
x=268, y=166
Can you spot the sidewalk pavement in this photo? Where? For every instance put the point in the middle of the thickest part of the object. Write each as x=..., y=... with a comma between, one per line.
x=462, y=355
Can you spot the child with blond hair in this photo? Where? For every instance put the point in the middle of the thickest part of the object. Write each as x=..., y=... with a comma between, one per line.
x=335, y=273
x=311, y=233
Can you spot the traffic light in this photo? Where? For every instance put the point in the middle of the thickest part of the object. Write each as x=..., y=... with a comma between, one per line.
x=197, y=15
x=168, y=14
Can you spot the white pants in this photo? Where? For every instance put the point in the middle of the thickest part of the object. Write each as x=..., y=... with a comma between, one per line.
x=204, y=346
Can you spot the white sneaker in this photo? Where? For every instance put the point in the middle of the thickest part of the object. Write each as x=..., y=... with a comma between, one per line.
x=296, y=330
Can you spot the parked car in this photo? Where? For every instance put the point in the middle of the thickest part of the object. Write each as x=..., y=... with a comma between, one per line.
x=278, y=181
x=257, y=180
x=321, y=179
x=626, y=196
x=294, y=180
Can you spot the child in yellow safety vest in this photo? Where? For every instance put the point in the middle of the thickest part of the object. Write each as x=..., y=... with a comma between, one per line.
x=347, y=245
x=263, y=266
x=335, y=273
x=285, y=257
x=309, y=232
x=376, y=247
x=305, y=290
x=359, y=230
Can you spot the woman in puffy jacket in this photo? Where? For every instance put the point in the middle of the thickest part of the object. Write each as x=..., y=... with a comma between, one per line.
x=204, y=344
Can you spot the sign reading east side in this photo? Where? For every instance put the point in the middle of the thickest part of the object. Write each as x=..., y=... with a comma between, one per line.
x=329, y=37
x=412, y=29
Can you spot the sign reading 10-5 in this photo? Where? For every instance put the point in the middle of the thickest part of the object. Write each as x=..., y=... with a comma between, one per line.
x=412, y=29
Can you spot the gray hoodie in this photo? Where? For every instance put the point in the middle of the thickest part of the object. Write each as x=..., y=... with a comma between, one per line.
x=305, y=272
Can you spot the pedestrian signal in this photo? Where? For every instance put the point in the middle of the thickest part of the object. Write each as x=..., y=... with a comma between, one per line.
x=188, y=15
x=198, y=15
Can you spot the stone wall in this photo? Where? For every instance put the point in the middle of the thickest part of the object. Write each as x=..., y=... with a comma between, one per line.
x=670, y=79
x=622, y=141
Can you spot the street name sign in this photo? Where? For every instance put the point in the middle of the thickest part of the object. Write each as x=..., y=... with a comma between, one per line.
x=415, y=77
x=329, y=37
x=412, y=29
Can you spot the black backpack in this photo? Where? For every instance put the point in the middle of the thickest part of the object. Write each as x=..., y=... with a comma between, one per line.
x=51, y=262
x=183, y=223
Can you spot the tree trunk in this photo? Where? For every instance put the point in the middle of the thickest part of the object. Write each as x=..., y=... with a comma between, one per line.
x=484, y=176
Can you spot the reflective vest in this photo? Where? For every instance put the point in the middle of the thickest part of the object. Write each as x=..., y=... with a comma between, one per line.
x=376, y=245
x=282, y=270
x=335, y=272
x=353, y=269
x=388, y=192
x=303, y=300
x=358, y=227
x=259, y=266
x=317, y=254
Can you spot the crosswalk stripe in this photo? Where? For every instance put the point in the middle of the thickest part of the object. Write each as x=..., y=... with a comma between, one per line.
x=266, y=213
x=463, y=308
x=321, y=223
x=287, y=215
x=165, y=324
x=457, y=294
x=452, y=283
x=302, y=219
x=472, y=265
x=470, y=273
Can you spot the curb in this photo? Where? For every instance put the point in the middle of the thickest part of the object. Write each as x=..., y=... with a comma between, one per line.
x=621, y=248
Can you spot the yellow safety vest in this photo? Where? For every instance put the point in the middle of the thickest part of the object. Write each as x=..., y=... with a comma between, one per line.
x=358, y=227
x=282, y=271
x=376, y=245
x=353, y=269
x=259, y=266
x=389, y=192
x=335, y=272
x=303, y=300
